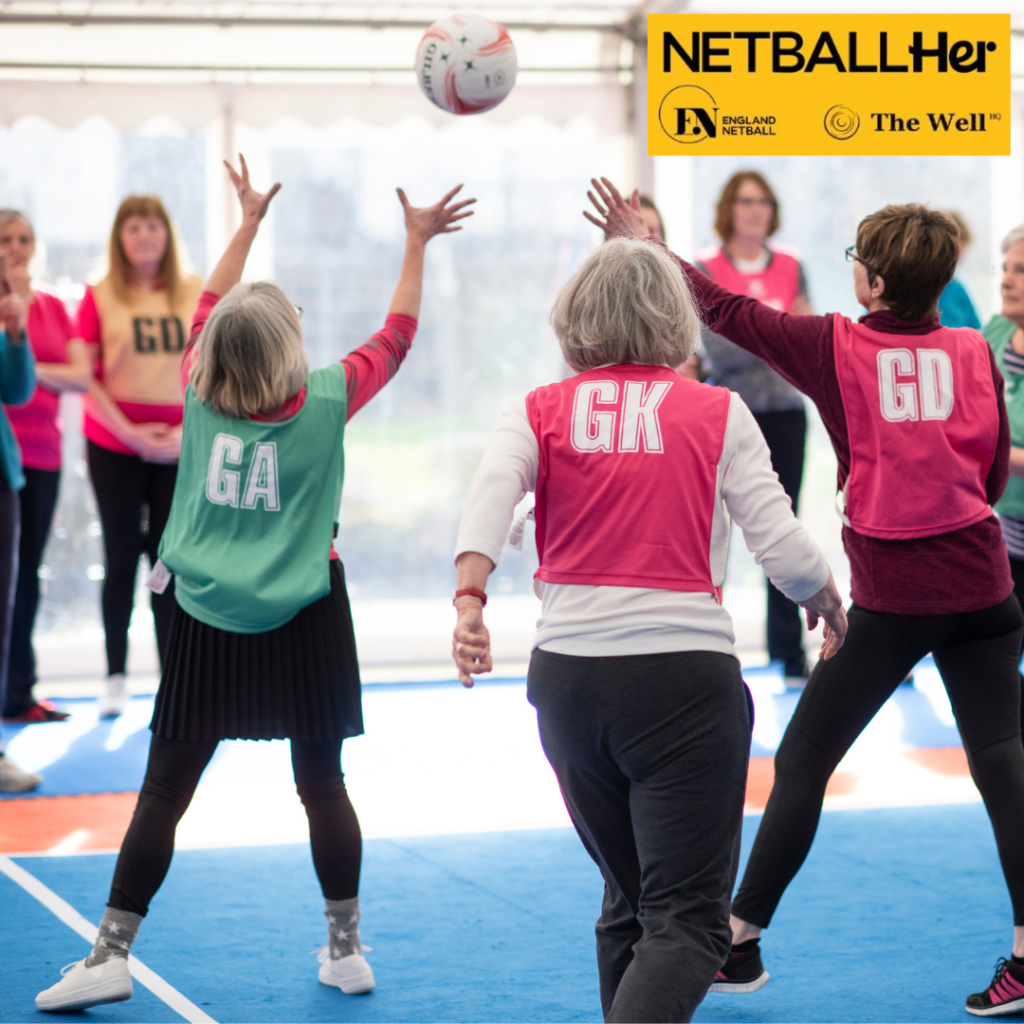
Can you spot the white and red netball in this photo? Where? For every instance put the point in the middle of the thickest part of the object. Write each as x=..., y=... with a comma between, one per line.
x=466, y=64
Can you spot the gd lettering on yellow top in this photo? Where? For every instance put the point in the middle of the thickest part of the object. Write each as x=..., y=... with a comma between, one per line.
x=141, y=345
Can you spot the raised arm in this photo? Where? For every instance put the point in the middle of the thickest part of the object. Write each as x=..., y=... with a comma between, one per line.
x=369, y=367
x=421, y=224
x=228, y=271
x=795, y=346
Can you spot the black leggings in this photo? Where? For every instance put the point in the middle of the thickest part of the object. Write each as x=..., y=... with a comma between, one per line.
x=38, y=500
x=171, y=778
x=1017, y=572
x=786, y=435
x=977, y=654
x=134, y=499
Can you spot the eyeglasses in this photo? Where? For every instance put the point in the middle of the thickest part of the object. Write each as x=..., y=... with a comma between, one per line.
x=852, y=257
x=746, y=201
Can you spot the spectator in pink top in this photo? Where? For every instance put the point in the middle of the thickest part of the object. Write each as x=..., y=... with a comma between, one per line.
x=62, y=364
x=135, y=322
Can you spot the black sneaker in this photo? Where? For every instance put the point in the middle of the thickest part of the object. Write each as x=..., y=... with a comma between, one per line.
x=1004, y=995
x=743, y=971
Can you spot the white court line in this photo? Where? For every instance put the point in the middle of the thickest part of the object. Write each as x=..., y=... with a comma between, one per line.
x=74, y=920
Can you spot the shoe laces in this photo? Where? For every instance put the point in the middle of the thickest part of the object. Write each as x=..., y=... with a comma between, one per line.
x=323, y=954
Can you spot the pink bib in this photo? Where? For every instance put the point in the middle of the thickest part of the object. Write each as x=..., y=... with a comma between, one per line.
x=777, y=285
x=626, y=483
x=923, y=421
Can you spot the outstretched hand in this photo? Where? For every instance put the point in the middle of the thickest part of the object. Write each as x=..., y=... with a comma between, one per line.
x=254, y=204
x=422, y=223
x=620, y=219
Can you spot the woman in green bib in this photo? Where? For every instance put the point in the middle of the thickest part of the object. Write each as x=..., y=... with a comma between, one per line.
x=262, y=645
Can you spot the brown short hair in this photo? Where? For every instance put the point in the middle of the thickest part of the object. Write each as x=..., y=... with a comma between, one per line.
x=119, y=270
x=915, y=251
x=726, y=201
x=966, y=237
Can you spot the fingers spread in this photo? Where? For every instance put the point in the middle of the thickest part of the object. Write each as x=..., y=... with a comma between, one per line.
x=444, y=201
x=612, y=191
x=600, y=209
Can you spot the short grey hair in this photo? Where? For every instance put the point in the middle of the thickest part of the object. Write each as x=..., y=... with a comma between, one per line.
x=9, y=214
x=1015, y=236
x=628, y=303
x=251, y=358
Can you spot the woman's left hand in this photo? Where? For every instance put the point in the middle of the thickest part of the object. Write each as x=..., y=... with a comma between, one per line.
x=254, y=204
x=471, y=643
x=621, y=219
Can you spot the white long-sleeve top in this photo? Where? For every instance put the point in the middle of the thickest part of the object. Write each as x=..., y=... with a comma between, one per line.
x=592, y=621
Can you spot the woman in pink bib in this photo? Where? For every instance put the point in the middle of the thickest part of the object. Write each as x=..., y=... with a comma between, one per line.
x=640, y=703
x=746, y=216
x=916, y=416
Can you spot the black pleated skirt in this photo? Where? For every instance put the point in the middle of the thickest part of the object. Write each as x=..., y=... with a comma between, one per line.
x=299, y=681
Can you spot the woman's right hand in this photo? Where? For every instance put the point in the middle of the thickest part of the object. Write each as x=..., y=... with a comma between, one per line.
x=828, y=605
x=154, y=442
x=422, y=223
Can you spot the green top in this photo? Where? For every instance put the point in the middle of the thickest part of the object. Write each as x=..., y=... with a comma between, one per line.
x=998, y=333
x=254, y=509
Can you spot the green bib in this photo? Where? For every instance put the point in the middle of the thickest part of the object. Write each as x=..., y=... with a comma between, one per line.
x=254, y=510
x=998, y=333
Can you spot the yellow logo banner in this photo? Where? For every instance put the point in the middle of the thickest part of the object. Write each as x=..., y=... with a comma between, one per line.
x=825, y=85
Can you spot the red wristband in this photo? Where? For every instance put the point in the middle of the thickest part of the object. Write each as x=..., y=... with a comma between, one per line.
x=470, y=592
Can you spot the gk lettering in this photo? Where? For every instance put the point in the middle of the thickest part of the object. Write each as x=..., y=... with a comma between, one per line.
x=223, y=485
x=913, y=389
x=615, y=429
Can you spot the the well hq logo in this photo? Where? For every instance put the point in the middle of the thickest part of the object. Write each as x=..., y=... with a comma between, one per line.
x=689, y=114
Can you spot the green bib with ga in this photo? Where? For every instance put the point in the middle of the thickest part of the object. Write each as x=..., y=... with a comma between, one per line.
x=255, y=505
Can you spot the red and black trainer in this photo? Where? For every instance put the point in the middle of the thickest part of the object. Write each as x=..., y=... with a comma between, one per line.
x=37, y=712
x=743, y=971
x=1004, y=995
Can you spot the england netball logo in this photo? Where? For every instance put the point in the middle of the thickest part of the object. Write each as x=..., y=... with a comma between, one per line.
x=689, y=114
x=841, y=122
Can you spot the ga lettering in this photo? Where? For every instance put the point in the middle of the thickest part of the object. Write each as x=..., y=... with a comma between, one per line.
x=223, y=485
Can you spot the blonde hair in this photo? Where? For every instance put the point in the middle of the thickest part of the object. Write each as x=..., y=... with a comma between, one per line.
x=251, y=359
x=627, y=303
x=119, y=269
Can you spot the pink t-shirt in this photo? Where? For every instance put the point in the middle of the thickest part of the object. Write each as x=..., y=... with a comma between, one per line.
x=36, y=424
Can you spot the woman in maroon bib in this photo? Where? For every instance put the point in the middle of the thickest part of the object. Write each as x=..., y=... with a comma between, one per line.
x=916, y=416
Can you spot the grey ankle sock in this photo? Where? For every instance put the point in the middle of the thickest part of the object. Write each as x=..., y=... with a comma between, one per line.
x=117, y=933
x=343, y=927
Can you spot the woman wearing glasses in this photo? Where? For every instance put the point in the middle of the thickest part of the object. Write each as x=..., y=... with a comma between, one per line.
x=916, y=416
x=747, y=215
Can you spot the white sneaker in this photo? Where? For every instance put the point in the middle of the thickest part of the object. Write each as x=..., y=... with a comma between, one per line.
x=82, y=987
x=112, y=703
x=352, y=974
x=14, y=780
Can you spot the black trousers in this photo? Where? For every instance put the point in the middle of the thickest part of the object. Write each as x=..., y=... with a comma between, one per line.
x=651, y=756
x=172, y=775
x=977, y=654
x=10, y=520
x=38, y=499
x=1017, y=572
x=786, y=434
x=134, y=499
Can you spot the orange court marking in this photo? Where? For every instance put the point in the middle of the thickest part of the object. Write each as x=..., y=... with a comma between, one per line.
x=951, y=761
x=37, y=824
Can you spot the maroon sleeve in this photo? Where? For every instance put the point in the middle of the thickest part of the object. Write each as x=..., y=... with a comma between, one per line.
x=999, y=473
x=794, y=346
x=88, y=326
x=206, y=303
x=369, y=367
